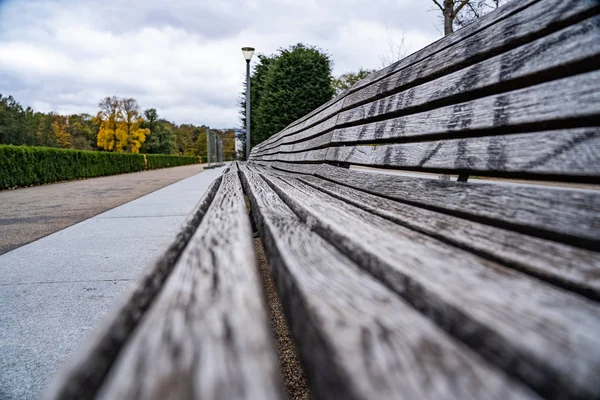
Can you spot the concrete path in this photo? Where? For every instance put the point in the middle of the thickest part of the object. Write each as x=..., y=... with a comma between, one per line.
x=28, y=214
x=54, y=290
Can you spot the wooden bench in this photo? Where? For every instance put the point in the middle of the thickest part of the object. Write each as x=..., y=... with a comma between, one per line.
x=394, y=286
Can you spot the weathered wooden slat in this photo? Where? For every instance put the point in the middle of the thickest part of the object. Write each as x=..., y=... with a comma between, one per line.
x=572, y=216
x=328, y=108
x=531, y=22
x=356, y=337
x=572, y=155
x=546, y=337
x=83, y=374
x=521, y=63
x=569, y=267
x=207, y=335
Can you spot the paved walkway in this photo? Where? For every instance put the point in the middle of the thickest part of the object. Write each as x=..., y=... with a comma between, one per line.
x=54, y=290
x=28, y=214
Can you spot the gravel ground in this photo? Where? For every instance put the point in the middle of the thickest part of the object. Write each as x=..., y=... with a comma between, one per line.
x=28, y=214
x=291, y=370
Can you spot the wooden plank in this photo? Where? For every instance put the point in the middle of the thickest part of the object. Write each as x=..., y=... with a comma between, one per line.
x=571, y=216
x=357, y=338
x=84, y=373
x=570, y=155
x=536, y=20
x=207, y=336
x=566, y=266
x=546, y=337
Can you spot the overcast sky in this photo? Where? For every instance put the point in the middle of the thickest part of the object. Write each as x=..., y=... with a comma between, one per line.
x=183, y=57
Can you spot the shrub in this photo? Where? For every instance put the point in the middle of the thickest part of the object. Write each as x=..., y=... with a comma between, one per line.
x=25, y=166
x=156, y=161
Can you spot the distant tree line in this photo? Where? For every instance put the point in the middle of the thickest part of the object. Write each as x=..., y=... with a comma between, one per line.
x=119, y=126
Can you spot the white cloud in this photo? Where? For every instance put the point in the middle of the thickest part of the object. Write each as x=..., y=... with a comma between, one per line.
x=183, y=57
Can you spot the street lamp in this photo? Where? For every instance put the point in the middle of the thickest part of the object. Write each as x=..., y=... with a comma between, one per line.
x=248, y=51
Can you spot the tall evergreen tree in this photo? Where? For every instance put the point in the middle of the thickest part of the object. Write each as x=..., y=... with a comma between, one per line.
x=297, y=81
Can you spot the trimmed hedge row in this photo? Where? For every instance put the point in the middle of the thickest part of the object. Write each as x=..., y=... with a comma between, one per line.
x=25, y=166
x=156, y=161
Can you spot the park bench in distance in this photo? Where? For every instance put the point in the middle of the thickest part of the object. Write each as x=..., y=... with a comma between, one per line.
x=394, y=286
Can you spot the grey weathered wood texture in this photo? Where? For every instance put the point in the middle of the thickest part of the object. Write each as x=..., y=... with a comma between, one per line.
x=207, y=334
x=542, y=335
x=84, y=373
x=573, y=268
x=356, y=337
x=572, y=216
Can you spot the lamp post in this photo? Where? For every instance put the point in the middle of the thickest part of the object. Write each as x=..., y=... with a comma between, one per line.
x=248, y=51
x=208, y=145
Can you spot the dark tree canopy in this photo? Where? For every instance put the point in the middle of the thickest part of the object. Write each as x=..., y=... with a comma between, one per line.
x=161, y=139
x=286, y=86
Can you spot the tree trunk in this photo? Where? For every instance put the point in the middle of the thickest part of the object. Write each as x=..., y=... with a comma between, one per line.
x=448, y=16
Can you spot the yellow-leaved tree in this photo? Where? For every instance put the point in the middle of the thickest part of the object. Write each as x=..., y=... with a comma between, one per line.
x=132, y=120
x=111, y=135
x=59, y=128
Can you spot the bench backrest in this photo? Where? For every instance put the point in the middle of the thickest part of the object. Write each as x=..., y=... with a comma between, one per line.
x=515, y=94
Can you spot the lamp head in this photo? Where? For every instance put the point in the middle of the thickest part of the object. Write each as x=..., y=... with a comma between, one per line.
x=248, y=51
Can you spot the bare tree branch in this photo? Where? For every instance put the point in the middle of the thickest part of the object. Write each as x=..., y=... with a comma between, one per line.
x=474, y=11
x=438, y=4
x=460, y=6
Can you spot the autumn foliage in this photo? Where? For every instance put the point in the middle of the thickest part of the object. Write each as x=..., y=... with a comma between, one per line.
x=120, y=125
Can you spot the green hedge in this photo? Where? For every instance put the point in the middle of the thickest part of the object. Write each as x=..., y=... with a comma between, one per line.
x=25, y=166
x=156, y=161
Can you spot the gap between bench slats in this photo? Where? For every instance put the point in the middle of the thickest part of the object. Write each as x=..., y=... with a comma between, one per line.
x=544, y=336
x=333, y=306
